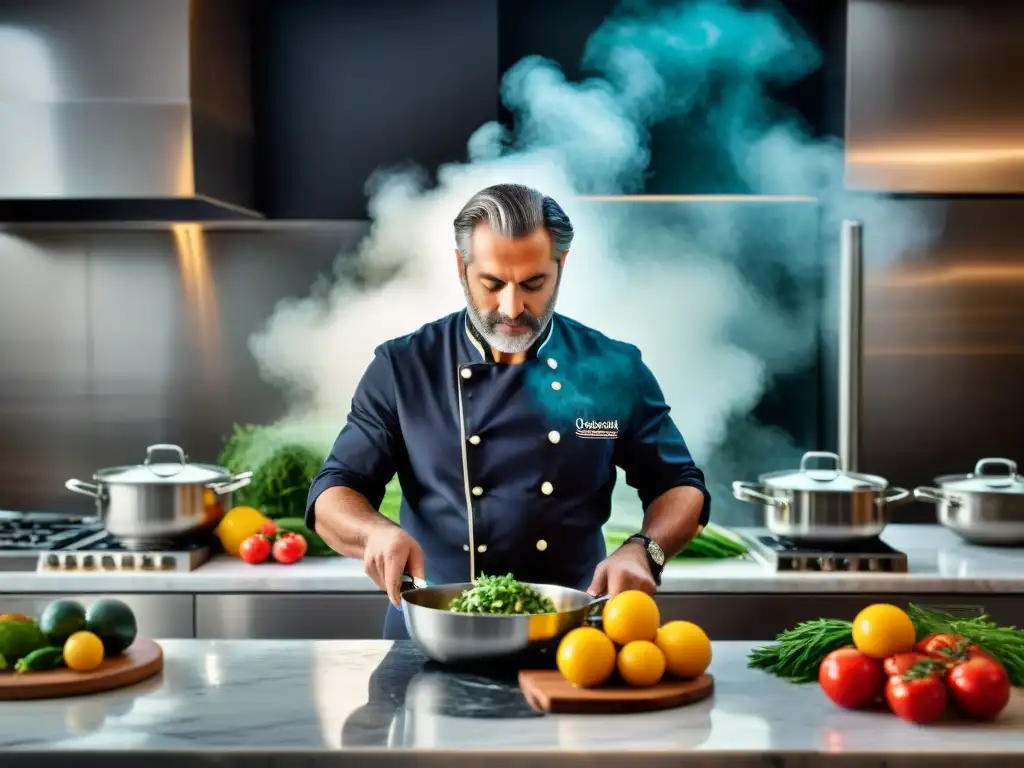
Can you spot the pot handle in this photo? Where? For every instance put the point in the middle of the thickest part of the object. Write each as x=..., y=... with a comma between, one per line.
x=86, y=489
x=236, y=482
x=837, y=463
x=935, y=496
x=894, y=495
x=750, y=493
x=182, y=458
x=996, y=480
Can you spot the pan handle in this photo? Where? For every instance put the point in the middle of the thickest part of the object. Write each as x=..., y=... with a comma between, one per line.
x=749, y=492
x=411, y=582
x=594, y=609
x=935, y=496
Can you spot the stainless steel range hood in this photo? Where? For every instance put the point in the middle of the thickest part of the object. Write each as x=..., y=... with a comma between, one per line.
x=125, y=111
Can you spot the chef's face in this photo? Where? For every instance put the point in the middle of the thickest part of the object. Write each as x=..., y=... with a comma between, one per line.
x=511, y=286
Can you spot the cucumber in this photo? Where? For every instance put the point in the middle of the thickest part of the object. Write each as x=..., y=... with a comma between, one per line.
x=41, y=660
x=3, y=663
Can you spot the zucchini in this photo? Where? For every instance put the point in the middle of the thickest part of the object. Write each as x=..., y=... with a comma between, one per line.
x=41, y=660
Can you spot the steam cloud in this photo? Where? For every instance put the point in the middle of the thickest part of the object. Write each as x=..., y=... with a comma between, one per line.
x=718, y=307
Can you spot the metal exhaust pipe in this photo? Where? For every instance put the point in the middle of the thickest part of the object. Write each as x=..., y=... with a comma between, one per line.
x=851, y=342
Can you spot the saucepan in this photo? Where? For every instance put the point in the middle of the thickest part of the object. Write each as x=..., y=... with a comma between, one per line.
x=822, y=505
x=154, y=503
x=465, y=638
x=982, y=507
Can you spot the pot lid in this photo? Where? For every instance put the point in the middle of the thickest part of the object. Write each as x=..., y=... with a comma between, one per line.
x=985, y=480
x=823, y=479
x=180, y=472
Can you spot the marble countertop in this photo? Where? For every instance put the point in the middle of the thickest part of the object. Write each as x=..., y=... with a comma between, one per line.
x=250, y=702
x=940, y=562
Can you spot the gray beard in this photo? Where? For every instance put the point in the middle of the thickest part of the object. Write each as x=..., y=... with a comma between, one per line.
x=509, y=345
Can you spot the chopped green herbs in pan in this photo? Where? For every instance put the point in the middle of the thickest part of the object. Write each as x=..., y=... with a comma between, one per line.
x=502, y=596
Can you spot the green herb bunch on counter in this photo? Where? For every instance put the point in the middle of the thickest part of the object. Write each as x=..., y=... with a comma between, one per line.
x=283, y=466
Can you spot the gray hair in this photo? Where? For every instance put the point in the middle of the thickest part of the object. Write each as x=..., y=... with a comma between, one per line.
x=513, y=210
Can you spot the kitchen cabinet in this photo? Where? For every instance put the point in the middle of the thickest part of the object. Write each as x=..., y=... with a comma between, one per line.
x=342, y=89
x=299, y=616
x=158, y=616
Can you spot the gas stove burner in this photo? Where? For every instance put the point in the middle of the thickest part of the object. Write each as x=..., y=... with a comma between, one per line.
x=51, y=542
x=865, y=556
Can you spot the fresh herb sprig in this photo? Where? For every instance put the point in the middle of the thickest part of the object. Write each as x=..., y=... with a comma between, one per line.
x=798, y=652
x=501, y=595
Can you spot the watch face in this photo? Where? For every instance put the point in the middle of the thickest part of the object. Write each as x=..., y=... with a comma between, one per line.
x=657, y=553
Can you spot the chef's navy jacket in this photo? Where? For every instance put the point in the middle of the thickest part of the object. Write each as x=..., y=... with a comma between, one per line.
x=516, y=461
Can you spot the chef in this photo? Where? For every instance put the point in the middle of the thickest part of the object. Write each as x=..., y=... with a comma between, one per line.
x=505, y=423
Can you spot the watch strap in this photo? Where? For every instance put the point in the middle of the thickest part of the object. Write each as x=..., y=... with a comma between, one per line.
x=655, y=555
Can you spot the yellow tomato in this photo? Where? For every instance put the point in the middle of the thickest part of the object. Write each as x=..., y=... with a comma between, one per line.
x=881, y=630
x=586, y=657
x=686, y=647
x=83, y=652
x=631, y=615
x=641, y=664
x=238, y=525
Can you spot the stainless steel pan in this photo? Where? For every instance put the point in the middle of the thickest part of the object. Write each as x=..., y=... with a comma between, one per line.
x=459, y=638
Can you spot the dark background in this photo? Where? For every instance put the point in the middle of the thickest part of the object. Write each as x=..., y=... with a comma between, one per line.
x=406, y=80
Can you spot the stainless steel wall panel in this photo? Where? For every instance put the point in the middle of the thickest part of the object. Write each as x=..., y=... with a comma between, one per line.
x=935, y=96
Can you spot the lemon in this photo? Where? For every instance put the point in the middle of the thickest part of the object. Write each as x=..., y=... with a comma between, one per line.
x=686, y=647
x=83, y=652
x=641, y=664
x=238, y=525
x=586, y=657
x=631, y=615
x=881, y=630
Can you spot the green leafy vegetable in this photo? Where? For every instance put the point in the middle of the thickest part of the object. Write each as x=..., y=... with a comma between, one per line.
x=501, y=595
x=1004, y=644
x=710, y=544
x=283, y=464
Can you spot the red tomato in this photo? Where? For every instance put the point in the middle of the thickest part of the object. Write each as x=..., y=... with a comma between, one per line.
x=268, y=529
x=289, y=549
x=301, y=540
x=900, y=663
x=980, y=688
x=919, y=700
x=950, y=648
x=255, y=549
x=850, y=678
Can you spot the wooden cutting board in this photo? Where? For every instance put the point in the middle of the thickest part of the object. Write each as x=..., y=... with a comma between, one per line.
x=547, y=691
x=142, y=660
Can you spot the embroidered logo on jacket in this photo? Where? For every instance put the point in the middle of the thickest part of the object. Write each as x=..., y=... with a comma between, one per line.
x=597, y=430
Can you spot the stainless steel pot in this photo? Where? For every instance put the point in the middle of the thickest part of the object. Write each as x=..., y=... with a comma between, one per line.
x=822, y=505
x=981, y=507
x=458, y=638
x=154, y=504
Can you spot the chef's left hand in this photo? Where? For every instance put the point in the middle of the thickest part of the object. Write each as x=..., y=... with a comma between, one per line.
x=625, y=568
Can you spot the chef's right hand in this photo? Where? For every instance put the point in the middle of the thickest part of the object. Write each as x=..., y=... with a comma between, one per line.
x=389, y=553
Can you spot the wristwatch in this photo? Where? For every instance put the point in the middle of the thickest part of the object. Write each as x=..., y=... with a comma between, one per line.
x=655, y=554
